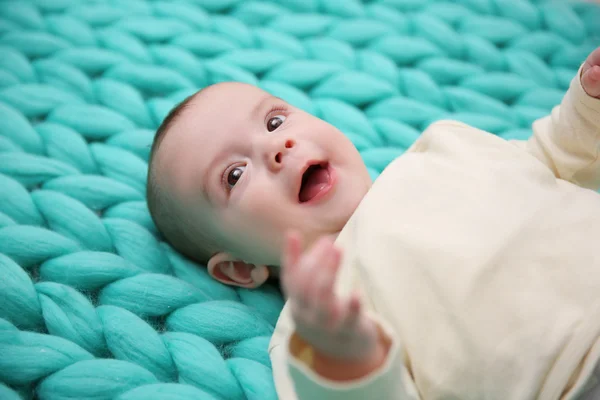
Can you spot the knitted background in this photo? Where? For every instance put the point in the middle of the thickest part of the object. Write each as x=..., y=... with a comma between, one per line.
x=92, y=303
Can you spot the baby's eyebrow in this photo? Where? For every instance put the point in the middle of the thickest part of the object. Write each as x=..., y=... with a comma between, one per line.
x=203, y=186
x=206, y=176
x=260, y=104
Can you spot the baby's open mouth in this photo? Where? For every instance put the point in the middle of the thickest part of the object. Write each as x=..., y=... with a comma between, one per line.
x=315, y=180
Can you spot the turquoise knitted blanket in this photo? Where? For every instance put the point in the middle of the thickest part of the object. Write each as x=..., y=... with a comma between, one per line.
x=93, y=304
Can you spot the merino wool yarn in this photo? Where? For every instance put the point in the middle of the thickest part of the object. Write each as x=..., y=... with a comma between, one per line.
x=93, y=304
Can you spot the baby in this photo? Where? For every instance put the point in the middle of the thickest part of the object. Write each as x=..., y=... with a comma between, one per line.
x=470, y=269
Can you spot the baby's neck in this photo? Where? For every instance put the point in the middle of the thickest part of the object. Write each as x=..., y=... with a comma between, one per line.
x=334, y=235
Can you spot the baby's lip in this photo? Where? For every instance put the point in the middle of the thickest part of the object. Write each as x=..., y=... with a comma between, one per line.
x=305, y=167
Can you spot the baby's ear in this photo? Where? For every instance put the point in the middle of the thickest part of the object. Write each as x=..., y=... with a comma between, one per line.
x=235, y=272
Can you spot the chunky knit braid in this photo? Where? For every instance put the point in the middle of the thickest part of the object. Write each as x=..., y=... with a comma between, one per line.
x=93, y=304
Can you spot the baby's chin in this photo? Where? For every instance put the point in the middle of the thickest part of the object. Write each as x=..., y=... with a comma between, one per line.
x=343, y=206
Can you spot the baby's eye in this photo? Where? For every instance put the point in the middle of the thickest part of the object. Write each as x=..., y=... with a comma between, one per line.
x=234, y=175
x=275, y=122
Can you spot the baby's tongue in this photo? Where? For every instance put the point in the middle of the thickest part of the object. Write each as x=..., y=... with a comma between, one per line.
x=315, y=182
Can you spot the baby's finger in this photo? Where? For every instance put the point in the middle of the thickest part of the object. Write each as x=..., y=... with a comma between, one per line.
x=316, y=256
x=321, y=280
x=289, y=261
x=324, y=290
x=352, y=310
x=594, y=57
x=355, y=305
x=301, y=279
x=292, y=249
x=590, y=81
x=307, y=268
x=335, y=315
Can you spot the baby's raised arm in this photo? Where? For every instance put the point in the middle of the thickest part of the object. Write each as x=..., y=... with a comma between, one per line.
x=344, y=342
x=336, y=350
x=568, y=140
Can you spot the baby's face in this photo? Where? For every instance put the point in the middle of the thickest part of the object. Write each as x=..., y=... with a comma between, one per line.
x=250, y=167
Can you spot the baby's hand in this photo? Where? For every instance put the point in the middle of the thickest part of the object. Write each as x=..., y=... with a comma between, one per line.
x=590, y=74
x=335, y=327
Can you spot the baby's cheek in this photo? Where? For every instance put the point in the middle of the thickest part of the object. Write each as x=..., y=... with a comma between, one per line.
x=269, y=216
x=261, y=211
x=258, y=229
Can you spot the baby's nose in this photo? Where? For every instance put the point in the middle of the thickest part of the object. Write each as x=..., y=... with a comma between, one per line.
x=275, y=157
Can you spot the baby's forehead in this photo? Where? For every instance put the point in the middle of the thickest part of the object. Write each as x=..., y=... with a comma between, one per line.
x=224, y=105
x=229, y=93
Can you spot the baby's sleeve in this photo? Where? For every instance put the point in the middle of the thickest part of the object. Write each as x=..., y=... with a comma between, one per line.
x=568, y=140
x=284, y=385
x=295, y=380
x=390, y=382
